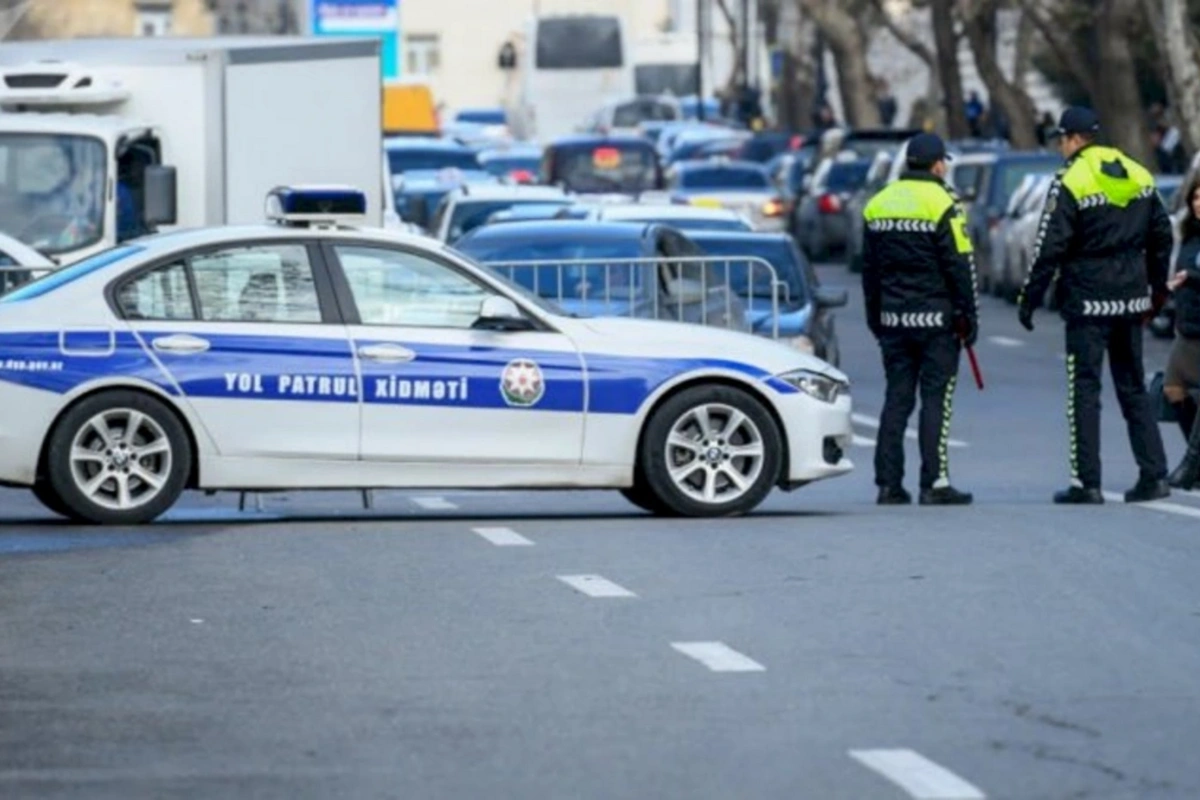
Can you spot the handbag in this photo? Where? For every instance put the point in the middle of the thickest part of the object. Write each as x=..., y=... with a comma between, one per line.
x=1165, y=411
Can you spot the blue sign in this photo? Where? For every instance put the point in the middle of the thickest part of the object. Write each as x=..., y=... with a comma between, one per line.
x=379, y=18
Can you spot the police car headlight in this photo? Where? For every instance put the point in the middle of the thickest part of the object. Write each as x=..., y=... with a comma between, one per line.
x=814, y=384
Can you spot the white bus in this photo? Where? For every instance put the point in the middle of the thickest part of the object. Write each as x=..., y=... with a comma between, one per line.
x=575, y=64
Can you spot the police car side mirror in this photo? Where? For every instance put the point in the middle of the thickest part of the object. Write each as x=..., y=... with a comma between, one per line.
x=498, y=313
x=159, y=207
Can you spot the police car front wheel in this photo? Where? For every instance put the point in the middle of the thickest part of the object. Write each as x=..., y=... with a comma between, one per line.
x=711, y=451
x=118, y=457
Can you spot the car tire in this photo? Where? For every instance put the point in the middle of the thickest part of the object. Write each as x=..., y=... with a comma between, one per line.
x=735, y=421
x=50, y=499
x=118, y=458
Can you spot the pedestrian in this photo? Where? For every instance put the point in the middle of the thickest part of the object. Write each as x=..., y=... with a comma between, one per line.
x=922, y=306
x=1105, y=234
x=1182, y=379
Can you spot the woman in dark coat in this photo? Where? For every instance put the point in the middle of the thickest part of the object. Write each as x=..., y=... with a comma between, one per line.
x=1182, y=379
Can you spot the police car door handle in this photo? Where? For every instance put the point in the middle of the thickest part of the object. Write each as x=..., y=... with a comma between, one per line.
x=180, y=343
x=390, y=353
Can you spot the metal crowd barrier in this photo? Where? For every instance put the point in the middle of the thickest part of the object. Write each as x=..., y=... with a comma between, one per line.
x=718, y=291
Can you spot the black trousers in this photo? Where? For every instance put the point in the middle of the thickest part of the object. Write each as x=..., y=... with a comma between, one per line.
x=912, y=360
x=1087, y=342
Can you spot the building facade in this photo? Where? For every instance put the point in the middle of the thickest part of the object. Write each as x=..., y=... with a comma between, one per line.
x=70, y=19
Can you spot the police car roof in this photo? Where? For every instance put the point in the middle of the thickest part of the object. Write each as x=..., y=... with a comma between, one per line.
x=577, y=230
x=185, y=238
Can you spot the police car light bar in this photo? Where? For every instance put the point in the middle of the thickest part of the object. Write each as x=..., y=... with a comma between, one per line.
x=329, y=205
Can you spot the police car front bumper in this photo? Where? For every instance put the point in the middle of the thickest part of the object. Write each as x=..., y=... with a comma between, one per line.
x=819, y=436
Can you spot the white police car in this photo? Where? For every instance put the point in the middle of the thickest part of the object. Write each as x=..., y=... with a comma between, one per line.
x=310, y=354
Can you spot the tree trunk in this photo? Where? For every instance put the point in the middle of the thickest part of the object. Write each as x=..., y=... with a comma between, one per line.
x=846, y=42
x=946, y=42
x=1119, y=99
x=1183, y=67
x=739, y=52
x=798, y=84
x=1011, y=99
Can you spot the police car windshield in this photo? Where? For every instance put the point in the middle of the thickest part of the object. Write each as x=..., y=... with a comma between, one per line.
x=405, y=159
x=469, y=215
x=724, y=178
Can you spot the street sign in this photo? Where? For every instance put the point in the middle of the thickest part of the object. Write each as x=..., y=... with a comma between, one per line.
x=362, y=18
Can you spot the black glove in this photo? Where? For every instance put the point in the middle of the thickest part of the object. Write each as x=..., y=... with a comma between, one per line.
x=1158, y=299
x=966, y=329
x=1025, y=315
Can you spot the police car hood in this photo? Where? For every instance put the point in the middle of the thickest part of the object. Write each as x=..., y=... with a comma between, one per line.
x=656, y=338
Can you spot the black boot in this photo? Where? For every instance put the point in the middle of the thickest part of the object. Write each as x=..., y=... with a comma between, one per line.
x=945, y=496
x=1187, y=474
x=1147, y=490
x=893, y=496
x=1185, y=413
x=1079, y=496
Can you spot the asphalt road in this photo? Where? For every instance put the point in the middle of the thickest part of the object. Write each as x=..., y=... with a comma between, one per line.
x=537, y=645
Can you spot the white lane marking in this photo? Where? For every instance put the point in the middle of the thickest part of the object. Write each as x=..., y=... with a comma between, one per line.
x=503, y=537
x=1156, y=505
x=718, y=656
x=873, y=422
x=862, y=441
x=1005, y=341
x=917, y=775
x=595, y=586
x=434, y=503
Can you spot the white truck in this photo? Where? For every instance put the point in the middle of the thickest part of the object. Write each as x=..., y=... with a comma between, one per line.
x=103, y=140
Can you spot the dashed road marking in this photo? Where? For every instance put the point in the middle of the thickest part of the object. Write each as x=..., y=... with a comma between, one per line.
x=503, y=537
x=918, y=776
x=595, y=586
x=434, y=503
x=1156, y=505
x=873, y=422
x=718, y=656
x=1005, y=341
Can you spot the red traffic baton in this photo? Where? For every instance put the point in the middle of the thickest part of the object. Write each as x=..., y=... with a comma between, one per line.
x=975, y=367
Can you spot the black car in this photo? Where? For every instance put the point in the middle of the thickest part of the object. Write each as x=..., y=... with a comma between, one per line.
x=597, y=164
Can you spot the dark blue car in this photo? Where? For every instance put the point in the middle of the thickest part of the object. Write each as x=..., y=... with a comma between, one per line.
x=805, y=307
x=608, y=269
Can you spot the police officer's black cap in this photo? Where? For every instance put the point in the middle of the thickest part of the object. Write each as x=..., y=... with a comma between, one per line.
x=1077, y=119
x=926, y=149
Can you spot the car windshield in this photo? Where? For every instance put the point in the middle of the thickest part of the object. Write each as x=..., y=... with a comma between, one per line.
x=848, y=176
x=606, y=168
x=406, y=159
x=468, y=216
x=52, y=190
x=557, y=277
x=724, y=178
x=1008, y=174
x=783, y=256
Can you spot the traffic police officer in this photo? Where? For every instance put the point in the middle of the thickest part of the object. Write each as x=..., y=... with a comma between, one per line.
x=1106, y=238
x=921, y=297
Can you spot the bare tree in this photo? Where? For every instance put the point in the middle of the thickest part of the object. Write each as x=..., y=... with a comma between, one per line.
x=1057, y=21
x=979, y=23
x=798, y=81
x=934, y=93
x=737, y=76
x=1171, y=27
x=946, y=41
x=839, y=22
x=1118, y=100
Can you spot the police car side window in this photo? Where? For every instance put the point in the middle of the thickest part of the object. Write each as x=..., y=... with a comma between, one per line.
x=259, y=283
x=162, y=293
x=396, y=287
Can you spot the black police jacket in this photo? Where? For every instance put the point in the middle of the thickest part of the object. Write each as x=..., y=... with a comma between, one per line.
x=1104, y=235
x=1187, y=296
x=918, y=264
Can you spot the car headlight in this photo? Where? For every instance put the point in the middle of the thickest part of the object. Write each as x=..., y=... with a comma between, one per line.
x=814, y=384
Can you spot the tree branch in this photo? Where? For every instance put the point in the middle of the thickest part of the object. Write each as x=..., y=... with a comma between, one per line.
x=906, y=38
x=1064, y=52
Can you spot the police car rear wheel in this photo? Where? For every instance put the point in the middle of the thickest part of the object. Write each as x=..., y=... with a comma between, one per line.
x=710, y=451
x=50, y=499
x=118, y=457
